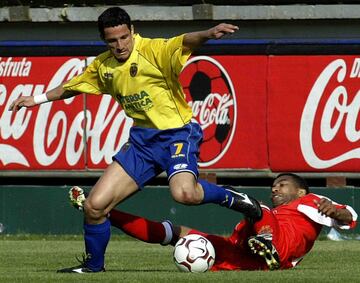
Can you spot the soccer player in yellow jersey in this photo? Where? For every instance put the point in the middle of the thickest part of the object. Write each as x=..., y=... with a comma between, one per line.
x=142, y=75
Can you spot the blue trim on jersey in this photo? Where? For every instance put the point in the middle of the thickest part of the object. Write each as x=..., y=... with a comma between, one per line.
x=181, y=171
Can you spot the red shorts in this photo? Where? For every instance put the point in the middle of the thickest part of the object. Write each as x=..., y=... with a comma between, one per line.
x=233, y=253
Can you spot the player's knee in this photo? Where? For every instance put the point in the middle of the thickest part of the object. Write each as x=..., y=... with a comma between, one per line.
x=185, y=193
x=92, y=211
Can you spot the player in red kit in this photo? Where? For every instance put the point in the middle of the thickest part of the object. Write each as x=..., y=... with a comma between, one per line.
x=280, y=239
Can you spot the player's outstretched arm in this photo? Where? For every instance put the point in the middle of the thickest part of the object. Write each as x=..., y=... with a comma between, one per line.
x=326, y=207
x=52, y=95
x=193, y=40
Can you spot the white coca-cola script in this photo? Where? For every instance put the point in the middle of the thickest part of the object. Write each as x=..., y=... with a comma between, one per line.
x=50, y=125
x=206, y=113
x=337, y=106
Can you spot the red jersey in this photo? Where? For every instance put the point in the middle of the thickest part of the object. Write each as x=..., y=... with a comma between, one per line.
x=295, y=227
x=299, y=226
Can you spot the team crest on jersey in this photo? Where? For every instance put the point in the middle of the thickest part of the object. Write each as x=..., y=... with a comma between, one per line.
x=133, y=69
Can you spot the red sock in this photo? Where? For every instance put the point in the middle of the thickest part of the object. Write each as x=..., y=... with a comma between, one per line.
x=138, y=227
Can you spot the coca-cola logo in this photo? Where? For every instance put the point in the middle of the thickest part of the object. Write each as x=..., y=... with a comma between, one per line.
x=210, y=93
x=337, y=113
x=55, y=132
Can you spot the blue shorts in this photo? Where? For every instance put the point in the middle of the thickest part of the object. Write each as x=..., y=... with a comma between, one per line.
x=150, y=152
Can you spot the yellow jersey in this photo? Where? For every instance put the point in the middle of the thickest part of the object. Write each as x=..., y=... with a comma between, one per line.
x=146, y=85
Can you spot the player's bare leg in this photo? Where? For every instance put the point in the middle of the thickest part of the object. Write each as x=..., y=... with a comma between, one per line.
x=185, y=189
x=114, y=186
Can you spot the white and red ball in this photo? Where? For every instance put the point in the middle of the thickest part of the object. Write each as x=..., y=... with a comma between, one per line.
x=194, y=253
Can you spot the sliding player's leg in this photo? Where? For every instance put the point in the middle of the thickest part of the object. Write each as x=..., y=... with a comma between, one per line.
x=267, y=232
x=138, y=227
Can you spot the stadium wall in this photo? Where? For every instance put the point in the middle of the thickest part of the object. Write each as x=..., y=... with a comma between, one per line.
x=241, y=89
x=268, y=30
x=46, y=210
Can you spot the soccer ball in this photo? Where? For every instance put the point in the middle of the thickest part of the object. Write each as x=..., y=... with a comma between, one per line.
x=194, y=253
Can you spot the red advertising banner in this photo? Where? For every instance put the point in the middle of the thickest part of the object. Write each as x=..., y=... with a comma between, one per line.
x=227, y=94
x=44, y=137
x=313, y=113
x=283, y=113
x=228, y=98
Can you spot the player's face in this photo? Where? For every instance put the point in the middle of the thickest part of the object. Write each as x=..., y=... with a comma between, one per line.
x=284, y=190
x=120, y=41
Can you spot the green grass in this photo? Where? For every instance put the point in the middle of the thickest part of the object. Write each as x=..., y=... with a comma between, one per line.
x=36, y=258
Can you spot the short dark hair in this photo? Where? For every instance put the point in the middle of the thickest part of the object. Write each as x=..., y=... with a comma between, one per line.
x=113, y=17
x=299, y=181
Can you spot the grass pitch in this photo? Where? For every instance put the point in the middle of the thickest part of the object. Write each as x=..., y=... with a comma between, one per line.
x=36, y=259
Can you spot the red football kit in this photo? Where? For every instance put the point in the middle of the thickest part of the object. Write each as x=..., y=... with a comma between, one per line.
x=294, y=226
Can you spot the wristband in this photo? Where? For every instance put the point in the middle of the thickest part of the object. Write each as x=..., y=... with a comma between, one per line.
x=38, y=99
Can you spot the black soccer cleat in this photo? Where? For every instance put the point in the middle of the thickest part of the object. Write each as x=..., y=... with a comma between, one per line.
x=245, y=204
x=82, y=268
x=78, y=269
x=262, y=246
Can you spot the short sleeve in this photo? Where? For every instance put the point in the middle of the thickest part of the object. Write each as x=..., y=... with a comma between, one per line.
x=89, y=81
x=170, y=55
x=309, y=208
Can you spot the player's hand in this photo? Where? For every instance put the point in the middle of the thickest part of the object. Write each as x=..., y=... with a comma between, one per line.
x=222, y=29
x=22, y=101
x=326, y=207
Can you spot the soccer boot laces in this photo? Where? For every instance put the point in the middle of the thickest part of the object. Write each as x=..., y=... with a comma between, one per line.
x=262, y=246
x=77, y=197
x=82, y=268
x=245, y=204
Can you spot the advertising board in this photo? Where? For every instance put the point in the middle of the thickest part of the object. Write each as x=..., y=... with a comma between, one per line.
x=280, y=113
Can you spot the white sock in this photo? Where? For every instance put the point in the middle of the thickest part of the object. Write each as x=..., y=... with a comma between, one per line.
x=168, y=232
